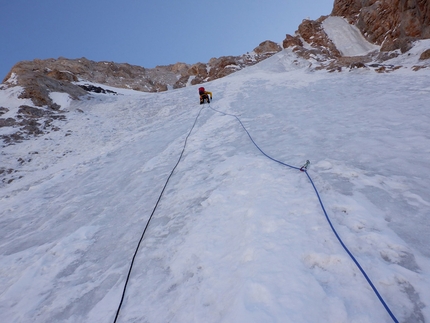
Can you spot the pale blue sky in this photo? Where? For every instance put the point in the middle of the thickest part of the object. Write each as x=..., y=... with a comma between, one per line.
x=145, y=32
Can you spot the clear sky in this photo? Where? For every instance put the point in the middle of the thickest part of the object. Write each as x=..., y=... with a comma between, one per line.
x=145, y=32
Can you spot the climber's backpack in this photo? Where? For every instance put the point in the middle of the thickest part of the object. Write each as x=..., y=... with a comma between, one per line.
x=201, y=90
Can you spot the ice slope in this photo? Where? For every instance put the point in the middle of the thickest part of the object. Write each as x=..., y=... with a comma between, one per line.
x=236, y=237
x=346, y=37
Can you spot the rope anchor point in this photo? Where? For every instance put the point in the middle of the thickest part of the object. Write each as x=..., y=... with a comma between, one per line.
x=304, y=168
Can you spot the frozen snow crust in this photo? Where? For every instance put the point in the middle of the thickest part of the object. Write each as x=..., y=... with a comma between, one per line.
x=236, y=237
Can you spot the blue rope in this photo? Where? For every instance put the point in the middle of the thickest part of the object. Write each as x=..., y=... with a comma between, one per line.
x=303, y=169
x=350, y=254
x=249, y=135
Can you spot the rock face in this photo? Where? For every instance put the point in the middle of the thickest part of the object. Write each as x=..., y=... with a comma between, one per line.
x=393, y=24
x=40, y=77
x=38, y=81
x=318, y=44
x=313, y=33
x=390, y=24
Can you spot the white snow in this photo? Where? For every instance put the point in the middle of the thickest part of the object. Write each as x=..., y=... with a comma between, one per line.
x=9, y=97
x=411, y=58
x=346, y=37
x=62, y=99
x=12, y=79
x=236, y=237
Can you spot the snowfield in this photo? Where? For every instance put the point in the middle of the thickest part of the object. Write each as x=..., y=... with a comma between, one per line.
x=236, y=237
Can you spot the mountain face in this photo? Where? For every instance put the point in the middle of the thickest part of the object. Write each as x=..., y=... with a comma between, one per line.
x=378, y=31
x=234, y=236
x=40, y=77
x=390, y=24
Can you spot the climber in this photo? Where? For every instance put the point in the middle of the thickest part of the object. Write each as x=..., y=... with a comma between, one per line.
x=204, y=95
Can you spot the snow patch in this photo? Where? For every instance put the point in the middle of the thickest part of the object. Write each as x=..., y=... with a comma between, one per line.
x=9, y=97
x=62, y=99
x=13, y=79
x=190, y=80
x=411, y=57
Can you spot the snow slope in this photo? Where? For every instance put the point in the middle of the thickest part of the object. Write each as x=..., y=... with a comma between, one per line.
x=346, y=37
x=236, y=237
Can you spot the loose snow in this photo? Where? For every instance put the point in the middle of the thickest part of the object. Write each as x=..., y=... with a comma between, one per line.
x=346, y=37
x=236, y=237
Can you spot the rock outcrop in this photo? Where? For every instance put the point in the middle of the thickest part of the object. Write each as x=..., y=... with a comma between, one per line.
x=425, y=55
x=312, y=33
x=219, y=67
x=40, y=77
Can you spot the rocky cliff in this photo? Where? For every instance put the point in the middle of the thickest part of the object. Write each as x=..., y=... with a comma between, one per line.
x=391, y=24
